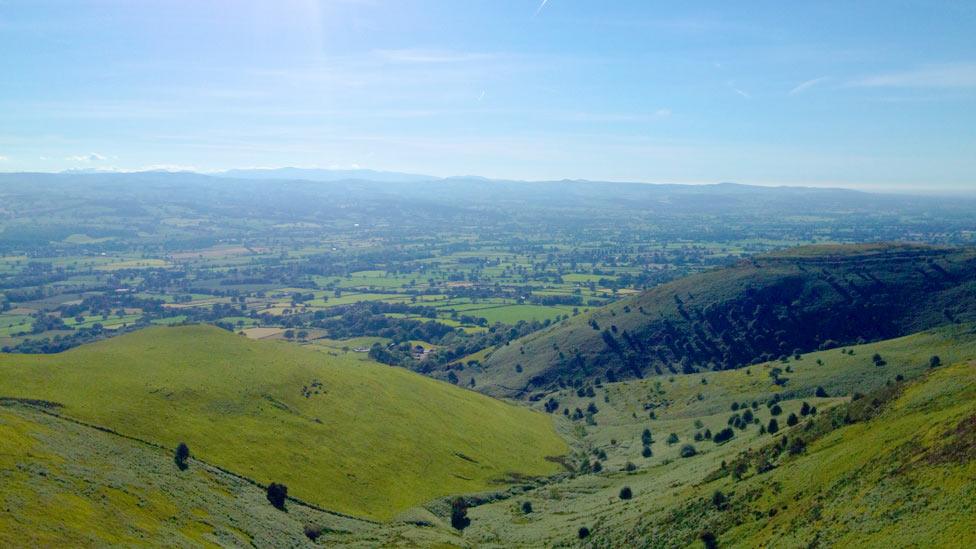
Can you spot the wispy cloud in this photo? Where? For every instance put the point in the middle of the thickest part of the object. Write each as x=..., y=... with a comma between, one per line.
x=804, y=86
x=4, y=158
x=90, y=157
x=742, y=93
x=541, y=6
x=955, y=75
x=429, y=56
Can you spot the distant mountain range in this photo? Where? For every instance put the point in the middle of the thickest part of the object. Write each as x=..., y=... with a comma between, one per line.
x=319, y=174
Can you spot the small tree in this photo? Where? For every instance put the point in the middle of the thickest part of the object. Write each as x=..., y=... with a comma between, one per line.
x=935, y=361
x=277, y=494
x=805, y=409
x=646, y=437
x=459, y=514
x=688, y=451
x=526, y=507
x=583, y=532
x=776, y=410
x=626, y=493
x=719, y=500
x=673, y=438
x=646, y=452
x=772, y=427
x=709, y=540
x=821, y=393
x=792, y=420
x=181, y=456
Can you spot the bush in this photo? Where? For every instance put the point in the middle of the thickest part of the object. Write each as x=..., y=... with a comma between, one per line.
x=772, y=427
x=709, y=540
x=459, y=514
x=626, y=493
x=181, y=456
x=719, y=500
x=646, y=452
x=723, y=435
x=313, y=532
x=821, y=393
x=583, y=533
x=776, y=410
x=935, y=361
x=277, y=494
x=526, y=507
x=673, y=438
x=688, y=450
x=805, y=409
x=630, y=467
x=792, y=420
x=646, y=437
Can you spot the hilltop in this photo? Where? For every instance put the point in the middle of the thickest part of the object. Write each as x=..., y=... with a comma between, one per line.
x=759, y=309
x=348, y=435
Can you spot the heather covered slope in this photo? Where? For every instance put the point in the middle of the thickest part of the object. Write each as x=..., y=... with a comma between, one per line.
x=347, y=435
x=764, y=308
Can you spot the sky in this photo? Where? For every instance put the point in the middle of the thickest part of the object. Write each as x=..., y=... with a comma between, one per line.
x=862, y=94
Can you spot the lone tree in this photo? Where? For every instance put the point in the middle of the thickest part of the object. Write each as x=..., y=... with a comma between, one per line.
x=459, y=514
x=277, y=494
x=182, y=454
x=772, y=427
x=626, y=493
x=584, y=532
x=935, y=361
x=526, y=507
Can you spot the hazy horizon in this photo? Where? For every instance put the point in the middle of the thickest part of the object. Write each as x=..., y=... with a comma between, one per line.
x=824, y=95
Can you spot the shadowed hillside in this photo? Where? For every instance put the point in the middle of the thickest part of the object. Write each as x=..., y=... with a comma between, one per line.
x=760, y=309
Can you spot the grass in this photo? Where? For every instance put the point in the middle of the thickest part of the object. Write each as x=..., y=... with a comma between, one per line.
x=372, y=441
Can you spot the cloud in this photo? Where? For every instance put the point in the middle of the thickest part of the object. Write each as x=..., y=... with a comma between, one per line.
x=954, y=75
x=429, y=56
x=744, y=94
x=541, y=6
x=4, y=158
x=91, y=157
x=662, y=113
x=804, y=86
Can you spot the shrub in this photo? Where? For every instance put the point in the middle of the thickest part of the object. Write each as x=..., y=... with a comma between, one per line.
x=313, y=532
x=688, y=450
x=181, y=456
x=646, y=437
x=821, y=393
x=459, y=514
x=805, y=409
x=526, y=507
x=719, y=500
x=646, y=452
x=772, y=427
x=709, y=540
x=792, y=420
x=723, y=435
x=626, y=493
x=776, y=410
x=935, y=361
x=583, y=533
x=630, y=467
x=277, y=494
x=673, y=438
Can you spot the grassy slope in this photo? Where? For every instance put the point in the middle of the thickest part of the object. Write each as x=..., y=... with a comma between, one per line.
x=375, y=441
x=902, y=478
x=665, y=482
x=730, y=317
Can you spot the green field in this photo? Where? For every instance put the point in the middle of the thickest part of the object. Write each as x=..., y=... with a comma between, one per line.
x=367, y=439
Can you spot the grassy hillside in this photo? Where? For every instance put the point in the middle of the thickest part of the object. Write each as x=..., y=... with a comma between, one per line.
x=761, y=309
x=869, y=470
x=348, y=435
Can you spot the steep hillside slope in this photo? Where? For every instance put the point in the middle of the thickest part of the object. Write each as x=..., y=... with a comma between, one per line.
x=771, y=306
x=350, y=436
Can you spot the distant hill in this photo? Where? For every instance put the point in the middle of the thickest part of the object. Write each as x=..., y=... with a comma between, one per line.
x=759, y=309
x=347, y=435
x=319, y=174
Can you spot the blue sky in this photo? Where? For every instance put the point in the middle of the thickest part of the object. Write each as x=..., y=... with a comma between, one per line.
x=869, y=94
